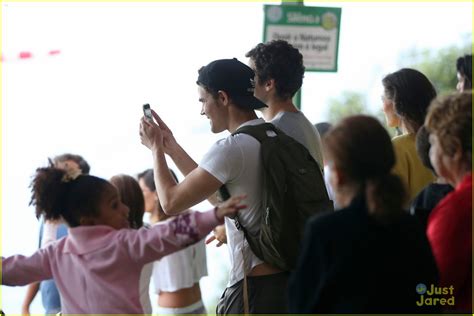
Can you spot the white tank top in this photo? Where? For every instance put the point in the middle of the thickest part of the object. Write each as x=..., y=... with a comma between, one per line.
x=181, y=269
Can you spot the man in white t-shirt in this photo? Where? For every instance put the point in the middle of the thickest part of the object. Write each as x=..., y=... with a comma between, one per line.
x=279, y=73
x=225, y=90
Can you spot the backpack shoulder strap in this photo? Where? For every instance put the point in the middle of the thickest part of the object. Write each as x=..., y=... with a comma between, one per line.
x=223, y=196
x=258, y=132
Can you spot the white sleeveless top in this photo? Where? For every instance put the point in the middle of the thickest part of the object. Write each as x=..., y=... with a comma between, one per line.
x=181, y=269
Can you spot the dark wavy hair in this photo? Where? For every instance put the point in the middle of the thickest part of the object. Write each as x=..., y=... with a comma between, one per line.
x=411, y=92
x=423, y=147
x=132, y=196
x=280, y=61
x=464, y=67
x=149, y=178
x=55, y=199
x=361, y=148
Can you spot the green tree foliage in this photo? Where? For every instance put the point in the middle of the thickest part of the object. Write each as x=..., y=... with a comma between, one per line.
x=352, y=103
x=348, y=103
x=439, y=66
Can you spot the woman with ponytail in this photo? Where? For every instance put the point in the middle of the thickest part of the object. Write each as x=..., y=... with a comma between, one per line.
x=369, y=256
x=97, y=267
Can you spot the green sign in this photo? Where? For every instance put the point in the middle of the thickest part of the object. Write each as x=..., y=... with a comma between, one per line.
x=313, y=30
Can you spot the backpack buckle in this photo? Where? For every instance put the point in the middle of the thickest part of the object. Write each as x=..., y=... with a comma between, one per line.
x=237, y=224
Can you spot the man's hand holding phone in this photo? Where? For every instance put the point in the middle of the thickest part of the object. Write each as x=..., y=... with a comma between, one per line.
x=150, y=132
x=152, y=126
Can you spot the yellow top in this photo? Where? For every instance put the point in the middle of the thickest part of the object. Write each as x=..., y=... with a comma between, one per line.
x=409, y=167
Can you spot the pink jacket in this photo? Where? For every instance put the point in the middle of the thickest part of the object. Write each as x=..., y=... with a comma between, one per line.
x=97, y=268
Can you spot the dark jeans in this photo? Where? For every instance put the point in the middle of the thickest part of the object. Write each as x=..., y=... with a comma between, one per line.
x=267, y=295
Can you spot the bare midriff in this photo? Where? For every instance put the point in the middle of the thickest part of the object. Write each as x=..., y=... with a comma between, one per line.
x=180, y=298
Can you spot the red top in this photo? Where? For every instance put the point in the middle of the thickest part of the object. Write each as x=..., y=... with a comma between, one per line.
x=450, y=235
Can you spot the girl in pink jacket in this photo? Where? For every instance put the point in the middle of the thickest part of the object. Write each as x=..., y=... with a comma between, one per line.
x=97, y=266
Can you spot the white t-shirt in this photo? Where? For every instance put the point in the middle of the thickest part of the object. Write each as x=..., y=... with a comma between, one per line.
x=181, y=269
x=297, y=126
x=235, y=161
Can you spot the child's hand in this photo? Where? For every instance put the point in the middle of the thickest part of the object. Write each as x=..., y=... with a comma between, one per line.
x=230, y=207
x=219, y=235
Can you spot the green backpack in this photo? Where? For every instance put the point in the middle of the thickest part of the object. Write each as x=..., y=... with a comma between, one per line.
x=293, y=191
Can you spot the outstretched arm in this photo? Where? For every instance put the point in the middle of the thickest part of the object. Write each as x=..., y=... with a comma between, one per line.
x=147, y=245
x=21, y=270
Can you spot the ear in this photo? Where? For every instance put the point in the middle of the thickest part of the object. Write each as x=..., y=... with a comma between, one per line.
x=269, y=85
x=458, y=154
x=223, y=97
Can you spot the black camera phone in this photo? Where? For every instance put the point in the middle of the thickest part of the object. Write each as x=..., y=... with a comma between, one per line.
x=147, y=112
